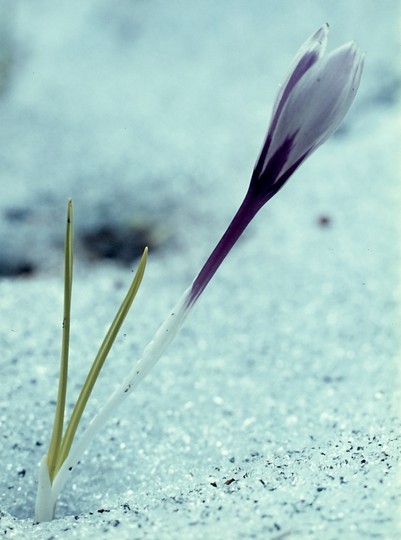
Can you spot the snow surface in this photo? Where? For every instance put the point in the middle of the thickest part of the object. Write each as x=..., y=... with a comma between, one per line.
x=275, y=413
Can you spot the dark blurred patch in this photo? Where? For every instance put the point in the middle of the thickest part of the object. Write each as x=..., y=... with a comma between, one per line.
x=389, y=91
x=16, y=243
x=32, y=237
x=330, y=380
x=10, y=268
x=121, y=21
x=324, y=221
x=122, y=243
x=17, y=214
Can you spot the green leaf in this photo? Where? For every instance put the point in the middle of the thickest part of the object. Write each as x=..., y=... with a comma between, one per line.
x=62, y=387
x=98, y=363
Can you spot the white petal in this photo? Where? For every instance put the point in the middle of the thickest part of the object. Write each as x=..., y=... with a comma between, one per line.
x=313, y=48
x=318, y=103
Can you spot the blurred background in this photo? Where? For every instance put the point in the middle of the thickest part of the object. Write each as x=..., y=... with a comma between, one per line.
x=150, y=114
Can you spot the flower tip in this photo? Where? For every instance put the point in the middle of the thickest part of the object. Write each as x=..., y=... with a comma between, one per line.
x=350, y=54
x=325, y=28
x=352, y=46
x=322, y=33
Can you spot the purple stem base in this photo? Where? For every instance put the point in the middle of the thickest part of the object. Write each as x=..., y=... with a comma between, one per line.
x=246, y=212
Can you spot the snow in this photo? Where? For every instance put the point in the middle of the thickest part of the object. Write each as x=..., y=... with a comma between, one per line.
x=275, y=412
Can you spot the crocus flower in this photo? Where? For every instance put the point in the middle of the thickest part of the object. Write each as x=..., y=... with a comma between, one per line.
x=309, y=107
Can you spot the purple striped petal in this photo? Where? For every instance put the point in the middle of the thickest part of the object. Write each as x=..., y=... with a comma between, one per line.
x=309, y=107
x=306, y=57
x=307, y=115
x=318, y=104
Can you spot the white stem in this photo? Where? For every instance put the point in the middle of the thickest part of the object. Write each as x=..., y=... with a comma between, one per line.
x=45, y=505
x=151, y=355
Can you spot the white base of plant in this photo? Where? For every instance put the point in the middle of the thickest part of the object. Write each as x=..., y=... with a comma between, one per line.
x=48, y=493
x=45, y=505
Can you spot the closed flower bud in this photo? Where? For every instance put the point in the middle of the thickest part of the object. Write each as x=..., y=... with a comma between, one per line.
x=310, y=106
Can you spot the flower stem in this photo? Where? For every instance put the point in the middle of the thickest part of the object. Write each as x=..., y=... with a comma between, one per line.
x=161, y=340
x=150, y=356
x=240, y=221
x=45, y=503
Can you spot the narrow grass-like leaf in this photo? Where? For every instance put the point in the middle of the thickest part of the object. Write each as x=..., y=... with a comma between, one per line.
x=62, y=387
x=99, y=361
